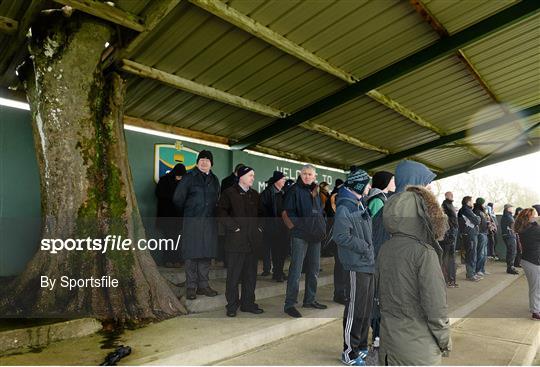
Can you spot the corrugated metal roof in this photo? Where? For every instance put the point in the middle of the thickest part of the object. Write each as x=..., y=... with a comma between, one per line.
x=456, y=15
x=360, y=37
x=352, y=35
x=445, y=94
x=200, y=47
x=510, y=63
x=362, y=117
x=304, y=142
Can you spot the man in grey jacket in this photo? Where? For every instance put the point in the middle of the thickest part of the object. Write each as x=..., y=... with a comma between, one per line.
x=353, y=235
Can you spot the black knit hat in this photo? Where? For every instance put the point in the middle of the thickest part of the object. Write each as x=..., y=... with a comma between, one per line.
x=206, y=154
x=357, y=180
x=244, y=170
x=381, y=180
x=179, y=170
x=276, y=176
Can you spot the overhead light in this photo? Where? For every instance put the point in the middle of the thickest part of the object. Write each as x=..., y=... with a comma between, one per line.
x=15, y=104
x=107, y=44
x=174, y=136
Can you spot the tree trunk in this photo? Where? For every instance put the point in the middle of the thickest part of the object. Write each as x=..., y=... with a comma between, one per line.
x=86, y=183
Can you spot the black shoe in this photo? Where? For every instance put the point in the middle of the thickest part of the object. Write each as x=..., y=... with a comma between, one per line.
x=512, y=271
x=208, y=292
x=256, y=310
x=265, y=273
x=190, y=293
x=316, y=305
x=280, y=278
x=293, y=312
x=231, y=313
x=341, y=300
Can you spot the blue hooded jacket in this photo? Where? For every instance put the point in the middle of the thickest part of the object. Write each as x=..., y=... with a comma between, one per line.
x=352, y=232
x=412, y=173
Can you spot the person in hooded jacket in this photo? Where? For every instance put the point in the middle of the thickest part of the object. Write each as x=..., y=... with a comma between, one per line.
x=197, y=195
x=448, y=243
x=382, y=186
x=304, y=215
x=169, y=217
x=509, y=237
x=352, y=234
x=415, y=328
x=276, y=234
x=468, y=229
x=481, y=249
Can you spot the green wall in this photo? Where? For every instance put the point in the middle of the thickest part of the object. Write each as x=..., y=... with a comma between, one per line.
x=19, y=182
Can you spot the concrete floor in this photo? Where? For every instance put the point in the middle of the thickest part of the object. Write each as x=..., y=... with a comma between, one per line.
x=499, y=332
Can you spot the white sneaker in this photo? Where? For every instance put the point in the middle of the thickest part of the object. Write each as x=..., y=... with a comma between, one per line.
x=480, y=274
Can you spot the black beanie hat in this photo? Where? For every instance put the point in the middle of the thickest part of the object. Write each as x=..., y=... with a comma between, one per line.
x=339, y=182
x=179, y=170
x=244, y=170
x=206, y=154
x=357, y=180
x=276, y=176
x=381, y=180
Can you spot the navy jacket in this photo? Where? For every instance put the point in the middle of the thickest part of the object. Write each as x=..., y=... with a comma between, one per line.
x=352, y=233
x=507, y=225
x=305, y=211
x=468, y=221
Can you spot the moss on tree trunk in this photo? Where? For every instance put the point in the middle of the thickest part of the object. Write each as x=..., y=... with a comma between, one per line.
x=86, y=184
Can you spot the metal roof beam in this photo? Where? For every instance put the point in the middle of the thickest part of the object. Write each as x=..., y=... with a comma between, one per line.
x=403, y=111
x=439, y=49
x=153, y=125
x=514, y=153
x=106, y=12
x=426, y=14
x=325, y=130
x=158, y=12
x=452, y=137
x=15, y=44
x=8, y=26
x=297, y=157
x=233, y=16
x=178, y=82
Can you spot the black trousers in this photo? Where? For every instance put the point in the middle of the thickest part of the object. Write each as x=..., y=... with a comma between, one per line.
x=357, y=315
x=241, y=268
x=448, y=245
x=511, y=249
x=341, y=280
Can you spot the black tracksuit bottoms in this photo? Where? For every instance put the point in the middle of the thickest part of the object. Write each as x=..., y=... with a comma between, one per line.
x=357, y=315
x=241, y=268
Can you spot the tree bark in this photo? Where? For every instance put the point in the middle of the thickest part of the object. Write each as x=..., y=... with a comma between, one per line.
x=86, y=184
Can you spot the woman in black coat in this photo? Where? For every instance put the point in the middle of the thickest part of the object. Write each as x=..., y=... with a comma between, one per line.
x=527, y=227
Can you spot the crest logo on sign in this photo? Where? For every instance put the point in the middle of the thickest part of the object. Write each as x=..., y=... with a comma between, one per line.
x=166, y=156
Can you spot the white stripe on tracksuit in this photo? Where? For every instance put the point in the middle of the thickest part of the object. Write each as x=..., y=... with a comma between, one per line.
x=350, y=316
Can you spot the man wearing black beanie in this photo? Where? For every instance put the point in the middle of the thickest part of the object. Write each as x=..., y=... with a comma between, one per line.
x=197, y=195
